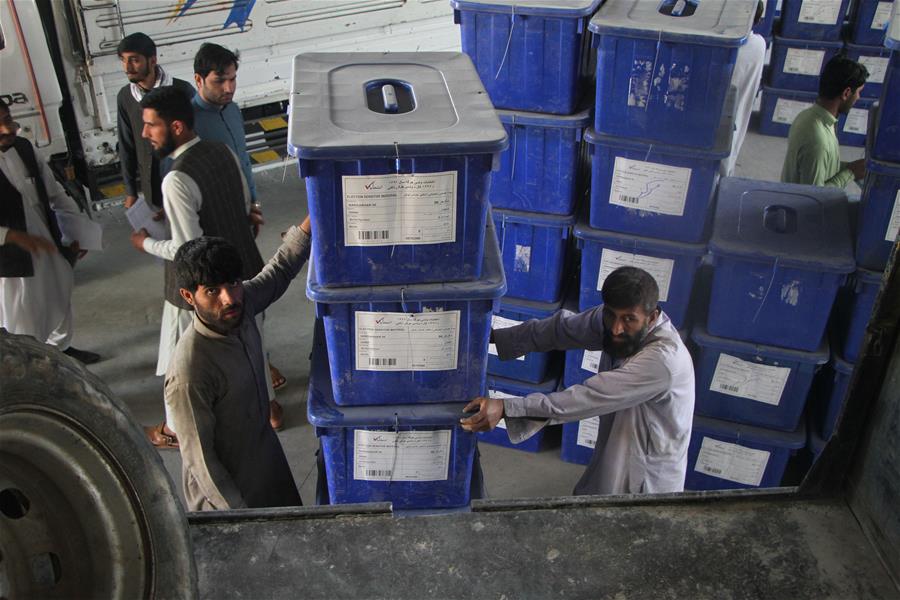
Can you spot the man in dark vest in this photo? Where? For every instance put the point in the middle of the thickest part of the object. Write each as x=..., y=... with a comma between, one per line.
x=35, y=266
x=204, y=193
x=138, y=55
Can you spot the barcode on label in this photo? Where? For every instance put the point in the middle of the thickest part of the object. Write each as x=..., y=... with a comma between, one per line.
x=713, y=470
x=382, y=362
x=383, y=234
x=629, y=199
x=729, y=388
x=378, y=472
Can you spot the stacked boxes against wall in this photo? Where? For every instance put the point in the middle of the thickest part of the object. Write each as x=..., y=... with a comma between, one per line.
x=663, y=123
x=397, y=151
x=535, y=60
x=780, y=254
x=811, y=33
x=877, y=227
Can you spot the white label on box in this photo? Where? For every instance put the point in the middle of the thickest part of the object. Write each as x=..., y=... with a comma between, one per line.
x=822, y=12
x=894, y=223
x=877, y=67
x=498, y=322
x=522, y=263
x=659, y=268
x=787, y=110
x=385, y=210
x=732, y=462
x=803, y=62
x=387, y=341
x=649, y=186
x=882, y=15
x=736, y=377
x=591, y=360
x=587, y=432
x=401, y=456
x=857, y=121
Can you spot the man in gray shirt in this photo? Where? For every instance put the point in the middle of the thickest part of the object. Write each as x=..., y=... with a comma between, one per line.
x=646, y=381
x=215, y=389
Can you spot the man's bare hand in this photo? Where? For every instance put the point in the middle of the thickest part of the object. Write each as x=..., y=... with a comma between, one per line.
x=256, y=218
x=305, y=226
x=160, y=215
x=30, y=243
x=138, y=237
x=858, y=167
x=129, y=201
x=490, y=411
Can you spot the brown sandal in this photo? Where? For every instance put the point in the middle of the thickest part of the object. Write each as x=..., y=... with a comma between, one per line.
x=278, y=380
x=159, y=438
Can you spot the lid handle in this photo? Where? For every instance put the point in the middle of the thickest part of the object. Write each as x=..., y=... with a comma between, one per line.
x=678, y=8
x=780, y=219
x=390, y=98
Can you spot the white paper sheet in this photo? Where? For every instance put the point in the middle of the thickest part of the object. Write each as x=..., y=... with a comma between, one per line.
x=140, y=215
x=89, y=234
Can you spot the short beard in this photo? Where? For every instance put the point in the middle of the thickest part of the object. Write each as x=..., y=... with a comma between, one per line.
x=628, y=348
x=167, y=148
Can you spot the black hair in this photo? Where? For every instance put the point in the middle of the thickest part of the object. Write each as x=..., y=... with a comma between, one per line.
x=760, y=11
x=213, y=57
x=4, y=104
x=137, y=42
x=839, y=74
x=627, y=287
x=208, y=261
x=171, y=104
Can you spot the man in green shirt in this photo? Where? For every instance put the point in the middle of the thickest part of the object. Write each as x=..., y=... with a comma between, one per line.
x=813, y=155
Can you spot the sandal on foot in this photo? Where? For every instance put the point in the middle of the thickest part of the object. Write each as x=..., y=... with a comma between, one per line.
x=278, y=380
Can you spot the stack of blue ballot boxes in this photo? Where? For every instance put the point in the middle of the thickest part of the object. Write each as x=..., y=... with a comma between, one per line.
x=877, y=228
x=397, y=151
x=536, y=62
x=811, y=33
x=780, y=254
x=663, y=122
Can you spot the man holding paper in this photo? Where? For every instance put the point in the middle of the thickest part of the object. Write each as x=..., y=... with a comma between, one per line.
x=36, y=278
x=646, y=382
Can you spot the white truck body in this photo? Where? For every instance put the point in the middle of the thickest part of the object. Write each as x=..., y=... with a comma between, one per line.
x=267, y=33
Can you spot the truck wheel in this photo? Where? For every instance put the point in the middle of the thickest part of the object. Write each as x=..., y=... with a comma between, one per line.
x=87, y=509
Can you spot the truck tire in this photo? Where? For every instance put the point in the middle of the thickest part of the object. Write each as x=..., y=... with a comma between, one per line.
x=87, y=509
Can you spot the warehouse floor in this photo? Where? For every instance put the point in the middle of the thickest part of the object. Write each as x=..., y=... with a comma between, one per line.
x=118, y=305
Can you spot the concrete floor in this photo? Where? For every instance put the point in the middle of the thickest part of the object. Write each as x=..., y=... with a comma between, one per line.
x=118, y=305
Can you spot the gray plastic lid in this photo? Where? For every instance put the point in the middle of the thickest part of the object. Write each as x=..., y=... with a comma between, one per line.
x=538, y=8
x=892, y=38
x=792, y=440
x=800, y=226
x=812, y=44
x=818, y=357
x=712, y=22
x=347, y=105
x=519, y=117
x=637, y=243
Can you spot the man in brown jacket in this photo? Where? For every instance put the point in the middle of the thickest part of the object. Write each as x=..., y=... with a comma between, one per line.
x=215, y=389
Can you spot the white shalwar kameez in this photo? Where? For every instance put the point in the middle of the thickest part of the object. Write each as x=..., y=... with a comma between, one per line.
x=40, y=305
